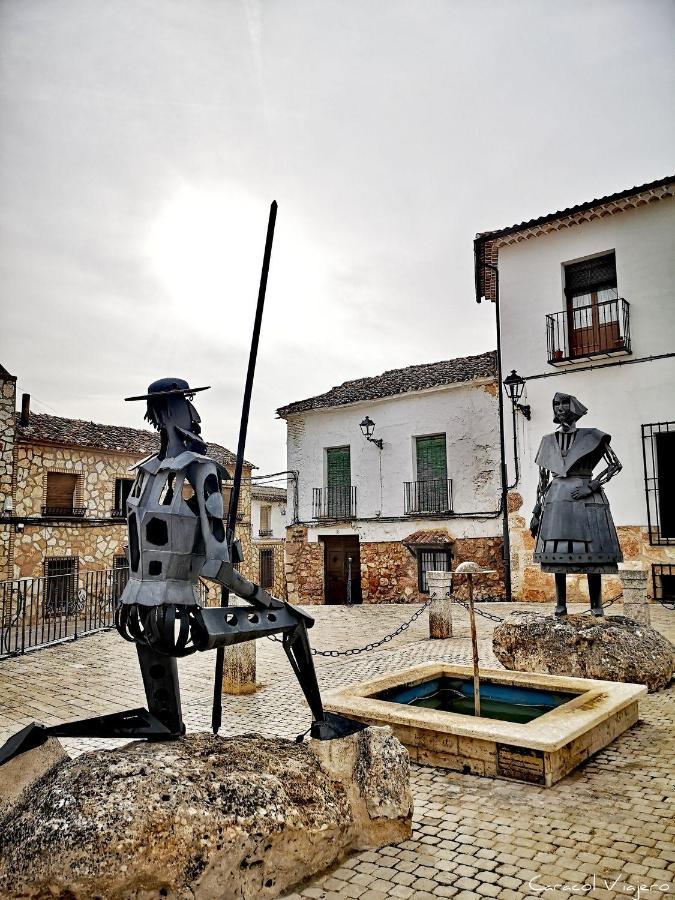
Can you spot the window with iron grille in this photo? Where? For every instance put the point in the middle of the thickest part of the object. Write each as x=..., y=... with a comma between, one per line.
x=658, y=447
x=663, y=580
x=266, y=569
x=61, y=585
x=431, y=560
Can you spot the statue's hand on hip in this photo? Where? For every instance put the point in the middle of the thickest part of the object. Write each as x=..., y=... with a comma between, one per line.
x=581, y=492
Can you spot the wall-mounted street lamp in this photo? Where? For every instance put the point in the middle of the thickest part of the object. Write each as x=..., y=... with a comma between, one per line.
x=367, y=428
x=515, y=385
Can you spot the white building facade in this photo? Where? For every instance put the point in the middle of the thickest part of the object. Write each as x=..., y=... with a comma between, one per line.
x=268, y=534
x=367, y=521
x=586, y=307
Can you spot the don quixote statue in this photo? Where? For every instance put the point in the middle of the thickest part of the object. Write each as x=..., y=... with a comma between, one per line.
x=571, y=522
x=177, y=534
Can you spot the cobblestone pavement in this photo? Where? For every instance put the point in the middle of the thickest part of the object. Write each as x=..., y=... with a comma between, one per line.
x=602, y=832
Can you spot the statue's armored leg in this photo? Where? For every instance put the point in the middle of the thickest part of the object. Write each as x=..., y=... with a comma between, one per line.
x=560, y=594
x=298, y=651
x=595, y=593
x=160, y=680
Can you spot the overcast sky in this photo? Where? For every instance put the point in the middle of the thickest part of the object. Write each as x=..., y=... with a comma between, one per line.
x=142, y=141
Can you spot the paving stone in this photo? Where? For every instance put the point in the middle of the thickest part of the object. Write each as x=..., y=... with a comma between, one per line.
x=472, y=835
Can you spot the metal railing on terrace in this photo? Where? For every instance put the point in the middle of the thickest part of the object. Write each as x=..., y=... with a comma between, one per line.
x=431, y=496
x=64, y=512
x=37, y=612
x=599, y=329
x=334, y=502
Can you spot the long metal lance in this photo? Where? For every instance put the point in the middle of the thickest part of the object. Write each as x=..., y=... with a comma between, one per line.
x=217, y=711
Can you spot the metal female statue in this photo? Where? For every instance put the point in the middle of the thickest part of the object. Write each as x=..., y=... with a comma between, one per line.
x=571, y=522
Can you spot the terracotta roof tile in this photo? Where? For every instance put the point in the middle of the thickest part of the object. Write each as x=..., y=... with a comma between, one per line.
x=428, y=538
x=400, y=381
x=268, y=492
x=77, y=432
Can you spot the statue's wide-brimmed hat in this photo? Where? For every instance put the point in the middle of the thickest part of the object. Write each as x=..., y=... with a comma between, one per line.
x=169, y=387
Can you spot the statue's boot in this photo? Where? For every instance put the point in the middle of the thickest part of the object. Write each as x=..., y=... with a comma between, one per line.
x=560, y=594
x=595, y=592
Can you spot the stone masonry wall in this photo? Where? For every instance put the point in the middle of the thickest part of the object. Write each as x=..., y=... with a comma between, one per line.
x=304, y=567
x=94, y=544
x=7, y=431
x=530, y=583
x=388, y=569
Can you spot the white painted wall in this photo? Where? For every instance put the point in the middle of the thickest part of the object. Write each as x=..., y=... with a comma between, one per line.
x=619, y=398
x=466, y=413
x=277, y=518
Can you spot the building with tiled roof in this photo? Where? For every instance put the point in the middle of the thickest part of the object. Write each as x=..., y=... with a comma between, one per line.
x=400, y=381
x=42, y=428
x=393, y=476
x=584, y=298
x=63, y=489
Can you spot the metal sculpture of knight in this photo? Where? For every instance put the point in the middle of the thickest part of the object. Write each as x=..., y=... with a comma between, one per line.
x=176, y=532
x=571, y=522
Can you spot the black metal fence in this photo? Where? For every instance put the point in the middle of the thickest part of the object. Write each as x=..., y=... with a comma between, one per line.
x=432, y=496
x=598, y=329
x=35, y=612
x=334, y=502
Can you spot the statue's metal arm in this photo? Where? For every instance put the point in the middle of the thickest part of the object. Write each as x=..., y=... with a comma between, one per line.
x=595, y=484
x=542, y=487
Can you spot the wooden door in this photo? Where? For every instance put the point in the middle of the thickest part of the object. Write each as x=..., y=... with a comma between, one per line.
x=432, y=473
x=342, y=569
x=338, y=483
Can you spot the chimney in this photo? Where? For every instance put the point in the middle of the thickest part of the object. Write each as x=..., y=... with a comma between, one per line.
x=25, y=410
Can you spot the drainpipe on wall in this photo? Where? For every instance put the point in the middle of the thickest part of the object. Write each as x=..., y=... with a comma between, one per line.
x=480, y=264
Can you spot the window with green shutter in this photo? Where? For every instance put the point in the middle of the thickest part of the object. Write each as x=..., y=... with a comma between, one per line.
x=338, y=482
x=432, y=474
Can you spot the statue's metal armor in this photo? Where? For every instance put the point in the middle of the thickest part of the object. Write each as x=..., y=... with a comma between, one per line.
x=174, y=515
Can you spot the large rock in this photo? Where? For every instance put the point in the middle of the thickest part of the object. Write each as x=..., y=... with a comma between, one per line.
x=202, y=817
x=610, y=648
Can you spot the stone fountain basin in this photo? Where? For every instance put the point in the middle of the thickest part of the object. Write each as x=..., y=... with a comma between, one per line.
x=540, y=752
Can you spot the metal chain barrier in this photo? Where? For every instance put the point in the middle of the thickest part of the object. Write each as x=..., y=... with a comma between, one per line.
x=354, y=651
x=492, y=617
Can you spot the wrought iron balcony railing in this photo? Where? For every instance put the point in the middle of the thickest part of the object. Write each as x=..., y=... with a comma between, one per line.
x=600, y=329
x=64, y=512
x=431, y=496
x=334, y=502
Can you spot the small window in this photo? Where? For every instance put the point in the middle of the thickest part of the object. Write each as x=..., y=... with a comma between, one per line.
x=61, y=577
x=431, y=561
x=663, y=579
x=265, y=521
x=62, y=494
x=266, y=569
x=122, y=490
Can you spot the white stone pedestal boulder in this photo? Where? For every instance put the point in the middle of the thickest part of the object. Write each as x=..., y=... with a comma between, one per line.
x=203, y=817
x=609, y=648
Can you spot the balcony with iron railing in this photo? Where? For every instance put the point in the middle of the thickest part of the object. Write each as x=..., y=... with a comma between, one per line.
x=64, y=512
x=585, y=332
x=429, y=497
x=334, y=502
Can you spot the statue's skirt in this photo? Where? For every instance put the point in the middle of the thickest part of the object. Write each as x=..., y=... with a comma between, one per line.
x=576, y=535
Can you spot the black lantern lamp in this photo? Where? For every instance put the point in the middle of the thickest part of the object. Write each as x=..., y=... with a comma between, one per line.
x=367, y=428
x=515, y=385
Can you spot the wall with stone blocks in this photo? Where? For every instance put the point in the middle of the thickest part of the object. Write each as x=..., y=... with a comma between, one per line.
x=388, y=569
x=530, y=583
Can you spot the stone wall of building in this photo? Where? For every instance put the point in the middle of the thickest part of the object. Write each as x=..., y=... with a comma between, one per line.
x=530, y=583
x=96, y=538
x=388, y=573
x=7, y=432
x=388, y=570
x=304, y=567
x=94, y=545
